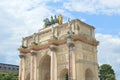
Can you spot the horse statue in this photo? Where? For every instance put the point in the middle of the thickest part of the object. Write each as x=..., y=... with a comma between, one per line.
x=52, y=20
x=47, y=22
x=55, y=19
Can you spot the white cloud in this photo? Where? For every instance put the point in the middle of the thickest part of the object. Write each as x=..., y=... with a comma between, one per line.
x=94, y=6
x=83, y=19
x=118, y=60
x=108, y=51
x=19, y=18
x=57, y=0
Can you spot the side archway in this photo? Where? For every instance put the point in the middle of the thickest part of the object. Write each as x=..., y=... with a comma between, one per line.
x=44, y=68
x=64, y=74
x=88, y=74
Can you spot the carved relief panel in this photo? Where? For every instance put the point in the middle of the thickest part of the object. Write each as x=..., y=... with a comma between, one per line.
x=63, y=58
x=62, y=32
x=87, y=47
x=45, y=36
x=30, y=40
x=83, y=30
x=79, y=55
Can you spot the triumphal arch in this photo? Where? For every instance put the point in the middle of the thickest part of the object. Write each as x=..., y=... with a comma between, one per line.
x=60, y=51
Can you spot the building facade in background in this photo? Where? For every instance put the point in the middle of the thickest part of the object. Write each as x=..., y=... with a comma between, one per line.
x=59, y=51
x=5, y=68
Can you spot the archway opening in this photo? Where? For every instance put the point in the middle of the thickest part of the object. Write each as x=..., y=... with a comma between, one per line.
x=28, y=76
x=88, y=75
x=64, y=74
x=45, y=68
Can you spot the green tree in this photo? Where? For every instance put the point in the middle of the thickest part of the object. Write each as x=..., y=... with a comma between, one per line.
x=1, y=76
x=106, y=72
x=9, y=76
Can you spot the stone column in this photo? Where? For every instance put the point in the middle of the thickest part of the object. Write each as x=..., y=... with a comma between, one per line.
x=22, y=67
x=71, y=48
x=72, y=68
x=53, y=74
x=33, y=66
x=73, y=63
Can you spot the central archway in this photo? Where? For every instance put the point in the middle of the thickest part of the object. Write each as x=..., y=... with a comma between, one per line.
x=64, y=74
x=28, y=76
x=45, y=68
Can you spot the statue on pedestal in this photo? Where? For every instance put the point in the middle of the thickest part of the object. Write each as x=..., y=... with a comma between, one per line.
x=60, y=18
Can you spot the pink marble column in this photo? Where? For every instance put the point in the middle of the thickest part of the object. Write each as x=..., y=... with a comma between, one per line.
x=32, y=66
x=53, y=63
x=70, y=65
x=71, y=48
x=21, y=68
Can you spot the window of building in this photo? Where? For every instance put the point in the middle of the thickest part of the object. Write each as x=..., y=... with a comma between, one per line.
x=4, y=67
x=9, y=68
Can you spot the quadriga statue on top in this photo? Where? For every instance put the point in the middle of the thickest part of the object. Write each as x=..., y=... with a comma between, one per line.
x=54, y=20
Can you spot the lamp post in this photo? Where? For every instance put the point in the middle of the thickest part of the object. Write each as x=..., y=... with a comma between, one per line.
x=70, y=47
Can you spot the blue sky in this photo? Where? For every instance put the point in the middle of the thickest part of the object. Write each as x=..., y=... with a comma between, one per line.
x=20, y=18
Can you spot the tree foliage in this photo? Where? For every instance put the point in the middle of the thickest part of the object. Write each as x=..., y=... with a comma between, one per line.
x=106, y=72
x=9, y=76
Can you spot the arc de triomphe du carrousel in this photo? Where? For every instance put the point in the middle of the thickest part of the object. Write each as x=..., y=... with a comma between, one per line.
x=60, y=51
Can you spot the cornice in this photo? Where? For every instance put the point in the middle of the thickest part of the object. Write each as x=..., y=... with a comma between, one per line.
x=57, y=42
x=81, y=22
x=24, y=50
x=85, y=40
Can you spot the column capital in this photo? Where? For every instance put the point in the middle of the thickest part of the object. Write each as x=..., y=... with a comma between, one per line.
x=33, y=53
x=52, y=47
x=21, y=56
x=24, y=49
x=70, y=43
